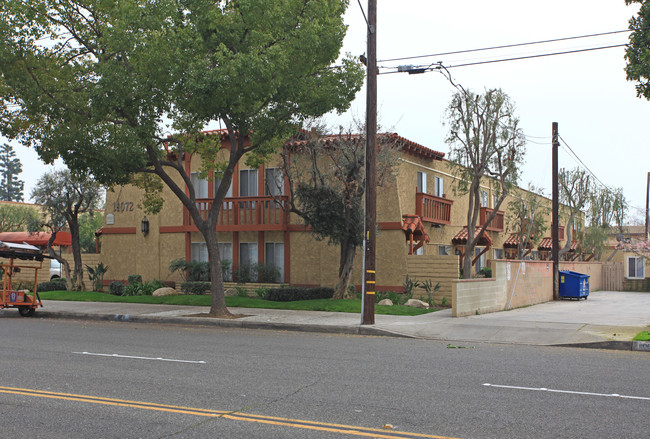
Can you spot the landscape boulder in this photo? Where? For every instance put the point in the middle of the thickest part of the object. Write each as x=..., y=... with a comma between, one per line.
x=164, y=291
x=385, y=302
x=415, y=303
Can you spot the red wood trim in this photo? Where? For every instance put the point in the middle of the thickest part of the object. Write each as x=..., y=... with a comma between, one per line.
x=235, y=251
x=188, y=247
x=177, y=229
x=119, y=231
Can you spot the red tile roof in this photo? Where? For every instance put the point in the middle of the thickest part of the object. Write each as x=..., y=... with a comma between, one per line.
x=38, y=239
x=414, y=225
x=547, y=245
x=461, y=237
x=513, y=241
x=406, y=145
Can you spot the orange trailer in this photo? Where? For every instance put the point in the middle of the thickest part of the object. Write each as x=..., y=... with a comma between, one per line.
x=25, y=301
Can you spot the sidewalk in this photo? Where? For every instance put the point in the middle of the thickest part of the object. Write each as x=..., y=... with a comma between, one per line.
x=605, y=320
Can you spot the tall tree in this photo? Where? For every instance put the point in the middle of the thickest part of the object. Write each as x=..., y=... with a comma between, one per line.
x=484, y=141
x=606, y=214
x=576, y=189
x=63, y=196
x=11, y=187
x=101, y=84
x=528, y=215
x=326, y=177
x=637, y=52
x=16, y=217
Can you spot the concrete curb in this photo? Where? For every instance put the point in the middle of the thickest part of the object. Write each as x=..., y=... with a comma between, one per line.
x=639, y=346
x=224, y=323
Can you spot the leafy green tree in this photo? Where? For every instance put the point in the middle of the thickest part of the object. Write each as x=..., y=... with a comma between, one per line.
x=485, y=141
x=89, y=223
x=16, y=217
x=326, y=188
x=102, y=84
x=63, y=196
x=637, y=52
x=527, y=218
x=11, y=187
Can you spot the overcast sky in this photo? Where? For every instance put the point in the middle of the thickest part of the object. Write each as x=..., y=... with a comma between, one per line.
x=597, y=110
x=599, y=115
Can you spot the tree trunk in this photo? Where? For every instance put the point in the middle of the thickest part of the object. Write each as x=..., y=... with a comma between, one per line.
x=64, y=263
x=346, y=263
x=78, y=270
x=218, y=304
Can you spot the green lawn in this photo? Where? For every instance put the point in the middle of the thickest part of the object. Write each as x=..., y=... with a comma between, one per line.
x=642, y=336
x=348, y=305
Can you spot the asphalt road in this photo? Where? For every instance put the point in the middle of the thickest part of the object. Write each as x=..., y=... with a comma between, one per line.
x=69, y=379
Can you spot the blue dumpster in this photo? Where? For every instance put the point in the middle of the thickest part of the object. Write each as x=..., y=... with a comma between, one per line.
x=574, y=285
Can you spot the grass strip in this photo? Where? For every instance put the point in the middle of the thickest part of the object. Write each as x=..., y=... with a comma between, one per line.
x=330, y=305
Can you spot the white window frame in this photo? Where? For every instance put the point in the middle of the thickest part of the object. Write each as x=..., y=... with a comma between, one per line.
x=639, y=267
x=422, y=182
x=484, y=198
x=439, y=186
x=274, y=255
x=248, y=175
x=201, y=186
x=248, y=245
x=481, y=261
x=498, y=253
x=273, y=182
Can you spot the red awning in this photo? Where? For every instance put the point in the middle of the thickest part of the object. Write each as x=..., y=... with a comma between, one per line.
x=461, y=237
x=38, y=239
x=513, y=241
x=413, y=224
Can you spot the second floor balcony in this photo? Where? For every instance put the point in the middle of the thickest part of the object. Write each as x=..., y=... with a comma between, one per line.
x=432, y=209
x=247, y=213
x=497, y=224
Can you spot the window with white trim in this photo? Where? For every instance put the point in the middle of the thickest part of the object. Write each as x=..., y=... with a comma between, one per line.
x=248, y=183
x=439, y=187
x=275, y=257
x=484, y=199
x=635, y=267
x=273, y=181
x=200, y=185
x=422, y=182
x=444, y=250
x=480, y=263
x=498, y=253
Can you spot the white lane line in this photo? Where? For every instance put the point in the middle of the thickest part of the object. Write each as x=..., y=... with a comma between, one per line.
x=544, y=389
x=139, y=358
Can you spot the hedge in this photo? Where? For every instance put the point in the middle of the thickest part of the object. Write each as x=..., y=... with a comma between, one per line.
x=195, y=287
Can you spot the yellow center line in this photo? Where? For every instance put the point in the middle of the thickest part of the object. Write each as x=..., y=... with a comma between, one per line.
x=235, y=416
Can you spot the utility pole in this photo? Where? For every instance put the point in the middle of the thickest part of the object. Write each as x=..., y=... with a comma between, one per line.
x=368, y=308
x=556, y=220
x=647, y=207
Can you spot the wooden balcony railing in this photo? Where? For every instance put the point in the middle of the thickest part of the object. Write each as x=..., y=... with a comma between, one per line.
x=247, y=213
x=497, y=224
x=433, y=209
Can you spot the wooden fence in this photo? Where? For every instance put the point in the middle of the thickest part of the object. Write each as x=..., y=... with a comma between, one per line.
x=613, y=276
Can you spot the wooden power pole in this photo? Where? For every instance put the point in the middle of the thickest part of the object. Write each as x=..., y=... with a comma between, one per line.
x=647, y=207
x=368, y=308
x=556, y=219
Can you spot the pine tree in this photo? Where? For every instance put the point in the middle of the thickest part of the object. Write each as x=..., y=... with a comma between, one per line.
x=11, y=188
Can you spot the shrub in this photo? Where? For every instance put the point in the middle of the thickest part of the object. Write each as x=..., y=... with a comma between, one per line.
x=116, y=287
x=96, y=275
x=267, y=273
x=191, y=270
x=53, y=285
x=134, y=279
x=486, y=271
x=245, y=273
x=241, y=291
x=293, y=293
x=262, y=292
x=394, y=297
x=195, y=287
x=431, y=291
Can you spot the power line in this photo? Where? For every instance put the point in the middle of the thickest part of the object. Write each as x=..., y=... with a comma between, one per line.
x=512, y=45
